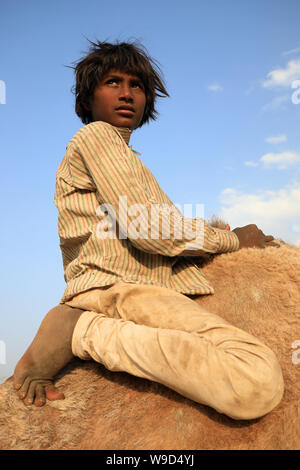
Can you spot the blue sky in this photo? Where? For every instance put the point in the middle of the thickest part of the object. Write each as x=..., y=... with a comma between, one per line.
x=228, y=136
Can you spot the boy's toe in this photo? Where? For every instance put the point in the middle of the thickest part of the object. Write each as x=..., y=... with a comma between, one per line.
x=22, y=391
x=40, y=395
x=53, y=394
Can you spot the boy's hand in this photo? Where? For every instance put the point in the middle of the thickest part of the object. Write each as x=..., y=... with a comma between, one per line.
x=251, y=237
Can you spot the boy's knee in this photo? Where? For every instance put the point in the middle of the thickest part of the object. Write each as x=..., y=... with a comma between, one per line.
x=261, y=393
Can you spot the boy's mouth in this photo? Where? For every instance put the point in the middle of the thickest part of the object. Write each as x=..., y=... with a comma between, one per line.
x=126, y=110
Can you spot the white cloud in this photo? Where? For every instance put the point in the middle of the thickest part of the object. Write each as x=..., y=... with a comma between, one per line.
x=215, y=87
x=277, y=213
x=276, y=102
x=292, y=51
x=280, y=160
x=283, y=77
x=276, y=139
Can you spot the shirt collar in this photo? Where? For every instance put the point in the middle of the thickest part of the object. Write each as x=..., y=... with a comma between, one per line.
x=125, y=133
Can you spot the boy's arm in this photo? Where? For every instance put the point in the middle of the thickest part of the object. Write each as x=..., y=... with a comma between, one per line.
x=211, y=240
x=249, y=236
x=107, y=160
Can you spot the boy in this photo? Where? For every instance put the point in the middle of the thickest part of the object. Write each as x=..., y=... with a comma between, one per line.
x=126, y=301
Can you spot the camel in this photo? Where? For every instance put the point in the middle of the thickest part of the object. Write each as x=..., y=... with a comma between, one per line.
x=256, y=290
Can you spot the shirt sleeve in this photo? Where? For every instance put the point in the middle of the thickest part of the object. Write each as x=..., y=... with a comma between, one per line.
x=206, y=239
x=210, y=240
x=106, y=158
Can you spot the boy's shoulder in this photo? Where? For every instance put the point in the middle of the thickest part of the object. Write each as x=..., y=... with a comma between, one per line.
x=94, y=129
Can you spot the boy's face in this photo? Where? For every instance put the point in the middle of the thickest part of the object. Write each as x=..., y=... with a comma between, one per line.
x=119, y=99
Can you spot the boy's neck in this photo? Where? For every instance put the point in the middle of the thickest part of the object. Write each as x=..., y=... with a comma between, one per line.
x=125, y=133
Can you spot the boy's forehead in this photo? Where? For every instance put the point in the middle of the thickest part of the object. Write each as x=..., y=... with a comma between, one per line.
x=119, y=71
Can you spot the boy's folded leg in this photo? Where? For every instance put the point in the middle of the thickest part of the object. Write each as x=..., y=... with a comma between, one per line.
x=236, y=375
x=164, y=336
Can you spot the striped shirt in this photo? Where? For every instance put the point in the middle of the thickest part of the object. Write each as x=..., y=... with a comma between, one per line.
x=112, y=220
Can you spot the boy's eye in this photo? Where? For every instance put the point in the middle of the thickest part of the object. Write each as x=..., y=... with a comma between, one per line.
x=138, y=85
x=111, y=80
x=116, y=81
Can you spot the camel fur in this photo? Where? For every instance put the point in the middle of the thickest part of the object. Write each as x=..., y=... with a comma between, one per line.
x=256, y=290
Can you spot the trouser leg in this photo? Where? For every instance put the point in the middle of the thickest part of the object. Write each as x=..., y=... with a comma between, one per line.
x=182, y=346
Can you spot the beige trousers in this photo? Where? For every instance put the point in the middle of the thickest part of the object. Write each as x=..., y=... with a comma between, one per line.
x=164, y=336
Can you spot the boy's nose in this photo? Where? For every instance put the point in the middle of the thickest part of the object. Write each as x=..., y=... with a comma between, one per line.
x=126, y=93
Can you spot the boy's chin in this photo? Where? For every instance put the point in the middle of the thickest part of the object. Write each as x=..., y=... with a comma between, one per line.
x=125, y=122
x=121, y=122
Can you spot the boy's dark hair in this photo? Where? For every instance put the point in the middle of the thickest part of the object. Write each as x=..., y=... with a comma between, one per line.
x=128, y=57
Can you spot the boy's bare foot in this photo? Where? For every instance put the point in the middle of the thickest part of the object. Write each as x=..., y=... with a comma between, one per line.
x=48, y=353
